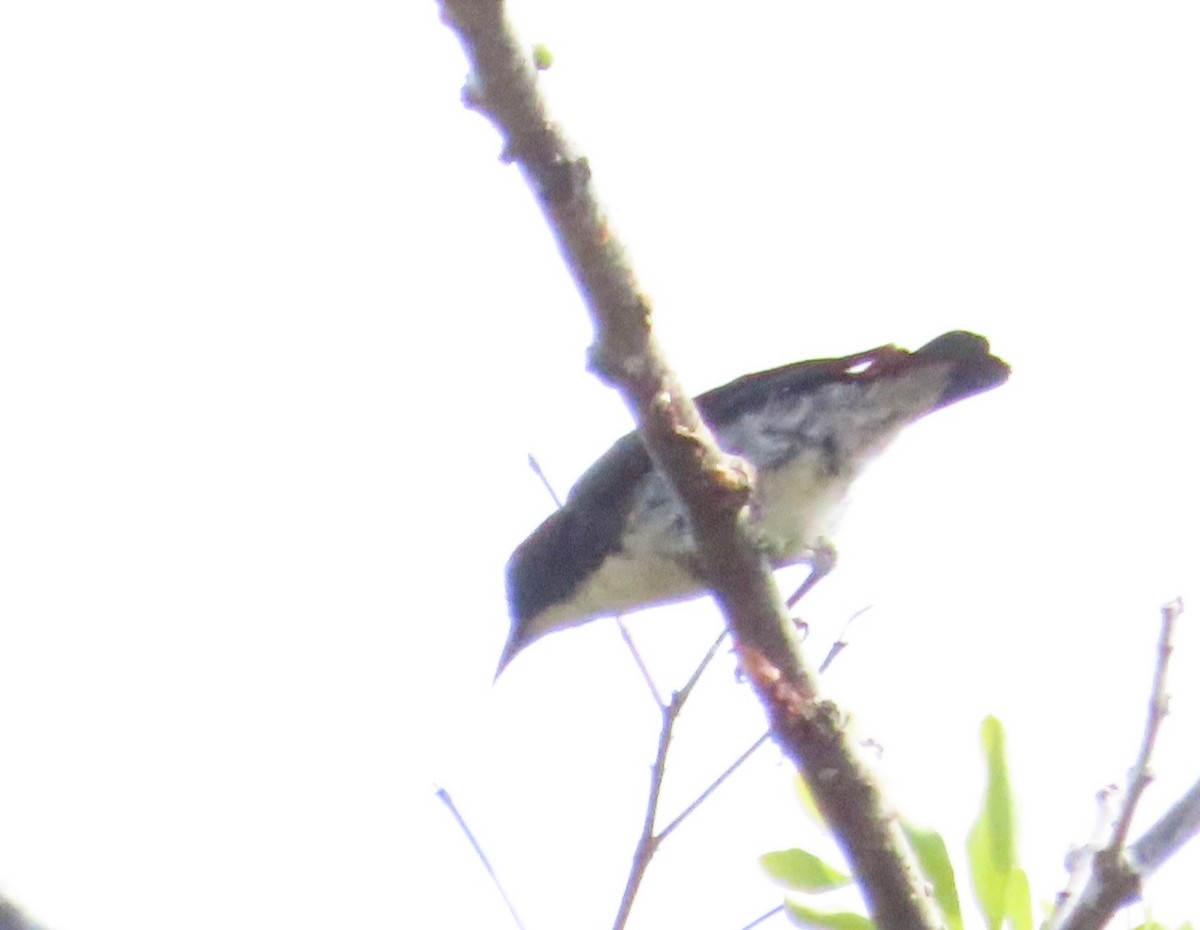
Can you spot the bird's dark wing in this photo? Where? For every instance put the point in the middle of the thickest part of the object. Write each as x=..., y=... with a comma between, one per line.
x=751, y=392
x=572, y=542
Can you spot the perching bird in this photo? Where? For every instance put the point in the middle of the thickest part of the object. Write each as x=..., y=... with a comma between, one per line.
x=622, y=542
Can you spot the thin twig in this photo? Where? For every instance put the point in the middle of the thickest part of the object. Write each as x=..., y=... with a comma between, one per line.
x=836, y=649
x=822, y=561
x=1079, y=860
x=640, y=662
x=444, y=795
x=704, y=663
x=536, y=467
x=764, y=918
x=717, y=782
x=742, y=759
x=648, y=842
x=1117, y=873
x=1140, y=775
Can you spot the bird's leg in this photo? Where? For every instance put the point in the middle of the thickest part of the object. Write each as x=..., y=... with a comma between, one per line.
x=821, y=561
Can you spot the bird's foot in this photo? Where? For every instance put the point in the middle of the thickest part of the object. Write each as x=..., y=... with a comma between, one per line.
x=821, y=560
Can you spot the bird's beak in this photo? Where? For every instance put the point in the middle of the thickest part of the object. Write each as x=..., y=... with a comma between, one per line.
x=516, y=642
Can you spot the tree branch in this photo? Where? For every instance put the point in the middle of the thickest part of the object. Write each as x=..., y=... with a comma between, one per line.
x=1117, y=872
x=1117, y=876
x=713, y=486
x=1178, y=825
x=11, y=917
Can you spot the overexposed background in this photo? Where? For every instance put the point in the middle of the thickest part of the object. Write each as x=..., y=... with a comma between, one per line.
x=277, y=332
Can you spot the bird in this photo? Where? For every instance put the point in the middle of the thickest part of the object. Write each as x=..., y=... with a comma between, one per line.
x=622, y=542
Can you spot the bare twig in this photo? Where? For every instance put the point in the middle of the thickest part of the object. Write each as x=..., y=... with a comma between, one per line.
x=822, y=561
x=536, y=467
x=1140, y=775
x=717, y=782
x=1079, y=860
x=648, y=842
x=1117, y=872
x=705, y=662
x=757, y=921
x=713, y=486
x=836, y=649
x=444, y=795
x=640, y=662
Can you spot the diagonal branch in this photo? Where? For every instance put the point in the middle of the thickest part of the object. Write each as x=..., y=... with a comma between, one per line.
x=1177, y=826
x=11, y=917
x=714, y=487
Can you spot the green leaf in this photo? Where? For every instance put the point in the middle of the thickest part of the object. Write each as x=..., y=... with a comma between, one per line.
x=543, y=58
x=802, y=871
x=934, y=861
x=806, y=917
x=1019, y=906
x=991, y=843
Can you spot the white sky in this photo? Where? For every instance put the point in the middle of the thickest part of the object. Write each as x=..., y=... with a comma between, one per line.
x=277, y=333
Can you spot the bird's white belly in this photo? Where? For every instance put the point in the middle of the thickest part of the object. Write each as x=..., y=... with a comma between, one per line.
x=794, y=507
x=627, y=580
x=798, y=505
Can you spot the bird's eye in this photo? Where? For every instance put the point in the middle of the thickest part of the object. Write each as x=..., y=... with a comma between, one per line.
x=860, y=367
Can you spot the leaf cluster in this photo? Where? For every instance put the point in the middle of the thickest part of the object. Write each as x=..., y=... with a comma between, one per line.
x=999, y=885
